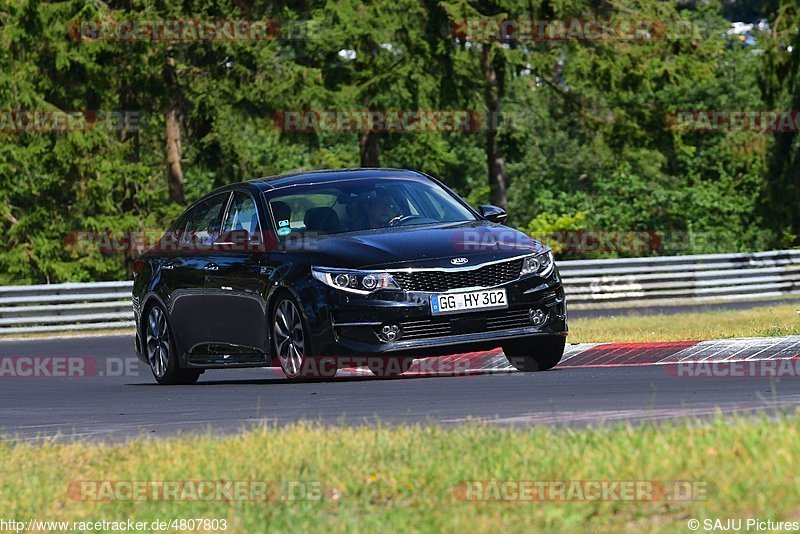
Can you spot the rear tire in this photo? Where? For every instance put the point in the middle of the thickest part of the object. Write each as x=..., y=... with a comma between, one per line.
x=535, y=354
x=159, y=346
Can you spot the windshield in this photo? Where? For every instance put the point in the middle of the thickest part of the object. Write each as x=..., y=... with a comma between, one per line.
x=356, y=205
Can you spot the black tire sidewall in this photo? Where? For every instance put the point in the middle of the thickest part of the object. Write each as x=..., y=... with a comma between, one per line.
x=310, y=368
x=174, y=374
x=532, y=355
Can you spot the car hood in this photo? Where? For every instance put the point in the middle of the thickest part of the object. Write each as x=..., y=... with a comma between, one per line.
x=441, y=245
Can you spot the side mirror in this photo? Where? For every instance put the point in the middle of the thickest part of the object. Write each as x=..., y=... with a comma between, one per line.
x=493, y=213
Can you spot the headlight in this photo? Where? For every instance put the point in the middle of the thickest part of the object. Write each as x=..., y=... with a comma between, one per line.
x=541, y=264
x=355, y=281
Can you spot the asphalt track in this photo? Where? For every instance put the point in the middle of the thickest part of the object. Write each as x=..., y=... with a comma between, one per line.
x=596, y=383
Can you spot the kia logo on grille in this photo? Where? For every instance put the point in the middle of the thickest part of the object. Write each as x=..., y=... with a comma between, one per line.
x=459, y=261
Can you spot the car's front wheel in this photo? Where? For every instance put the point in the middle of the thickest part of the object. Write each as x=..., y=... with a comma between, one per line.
x=535, y=354
x=161, y=353
x=291, y=343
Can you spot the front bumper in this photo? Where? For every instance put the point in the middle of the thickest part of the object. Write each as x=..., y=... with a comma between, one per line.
x=348, y=324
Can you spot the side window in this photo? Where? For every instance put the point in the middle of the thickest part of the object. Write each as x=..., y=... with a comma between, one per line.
x=203, y=222
x=242, y=215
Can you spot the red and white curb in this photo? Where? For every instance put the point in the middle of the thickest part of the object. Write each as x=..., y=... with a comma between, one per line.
x=613, y=355
x=718, y=350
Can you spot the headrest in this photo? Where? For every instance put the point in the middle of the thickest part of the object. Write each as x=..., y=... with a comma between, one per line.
x=321, y=220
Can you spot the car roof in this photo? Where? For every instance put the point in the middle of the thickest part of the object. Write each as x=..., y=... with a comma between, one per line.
x=270, y=183
x=313, y=177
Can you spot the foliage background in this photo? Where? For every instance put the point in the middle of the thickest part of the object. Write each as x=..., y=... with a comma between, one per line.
x=586, y=147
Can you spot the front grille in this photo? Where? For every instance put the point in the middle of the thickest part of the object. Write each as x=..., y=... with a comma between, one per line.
x=488, y=276
x=467, y=324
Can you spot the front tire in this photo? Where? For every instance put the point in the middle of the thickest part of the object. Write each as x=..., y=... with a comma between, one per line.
x=160, y=349
x=535, y=354
x=291, y=344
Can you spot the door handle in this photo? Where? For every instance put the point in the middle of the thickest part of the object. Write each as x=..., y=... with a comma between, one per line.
x=211, y=267
x=168, y=266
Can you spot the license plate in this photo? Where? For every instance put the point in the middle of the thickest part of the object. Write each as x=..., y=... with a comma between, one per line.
x=468, y=302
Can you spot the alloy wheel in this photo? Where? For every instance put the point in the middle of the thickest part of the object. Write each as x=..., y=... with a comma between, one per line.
x=158, y=343
x=289, y=338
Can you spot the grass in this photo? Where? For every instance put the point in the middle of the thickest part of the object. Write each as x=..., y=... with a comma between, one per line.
x=403, y=478
x=778, y=320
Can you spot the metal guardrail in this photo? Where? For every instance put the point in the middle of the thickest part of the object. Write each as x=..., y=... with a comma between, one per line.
x=588, y=284
x=65, y=307
x=681, y=279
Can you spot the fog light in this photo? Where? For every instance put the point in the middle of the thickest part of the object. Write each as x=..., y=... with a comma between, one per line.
x=538, y=317
x=390, y=332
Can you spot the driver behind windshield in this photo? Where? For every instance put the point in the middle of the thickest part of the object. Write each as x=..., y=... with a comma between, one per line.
x=377, y=211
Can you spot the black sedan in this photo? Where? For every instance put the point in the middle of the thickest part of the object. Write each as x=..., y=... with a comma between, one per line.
x=319, y=270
